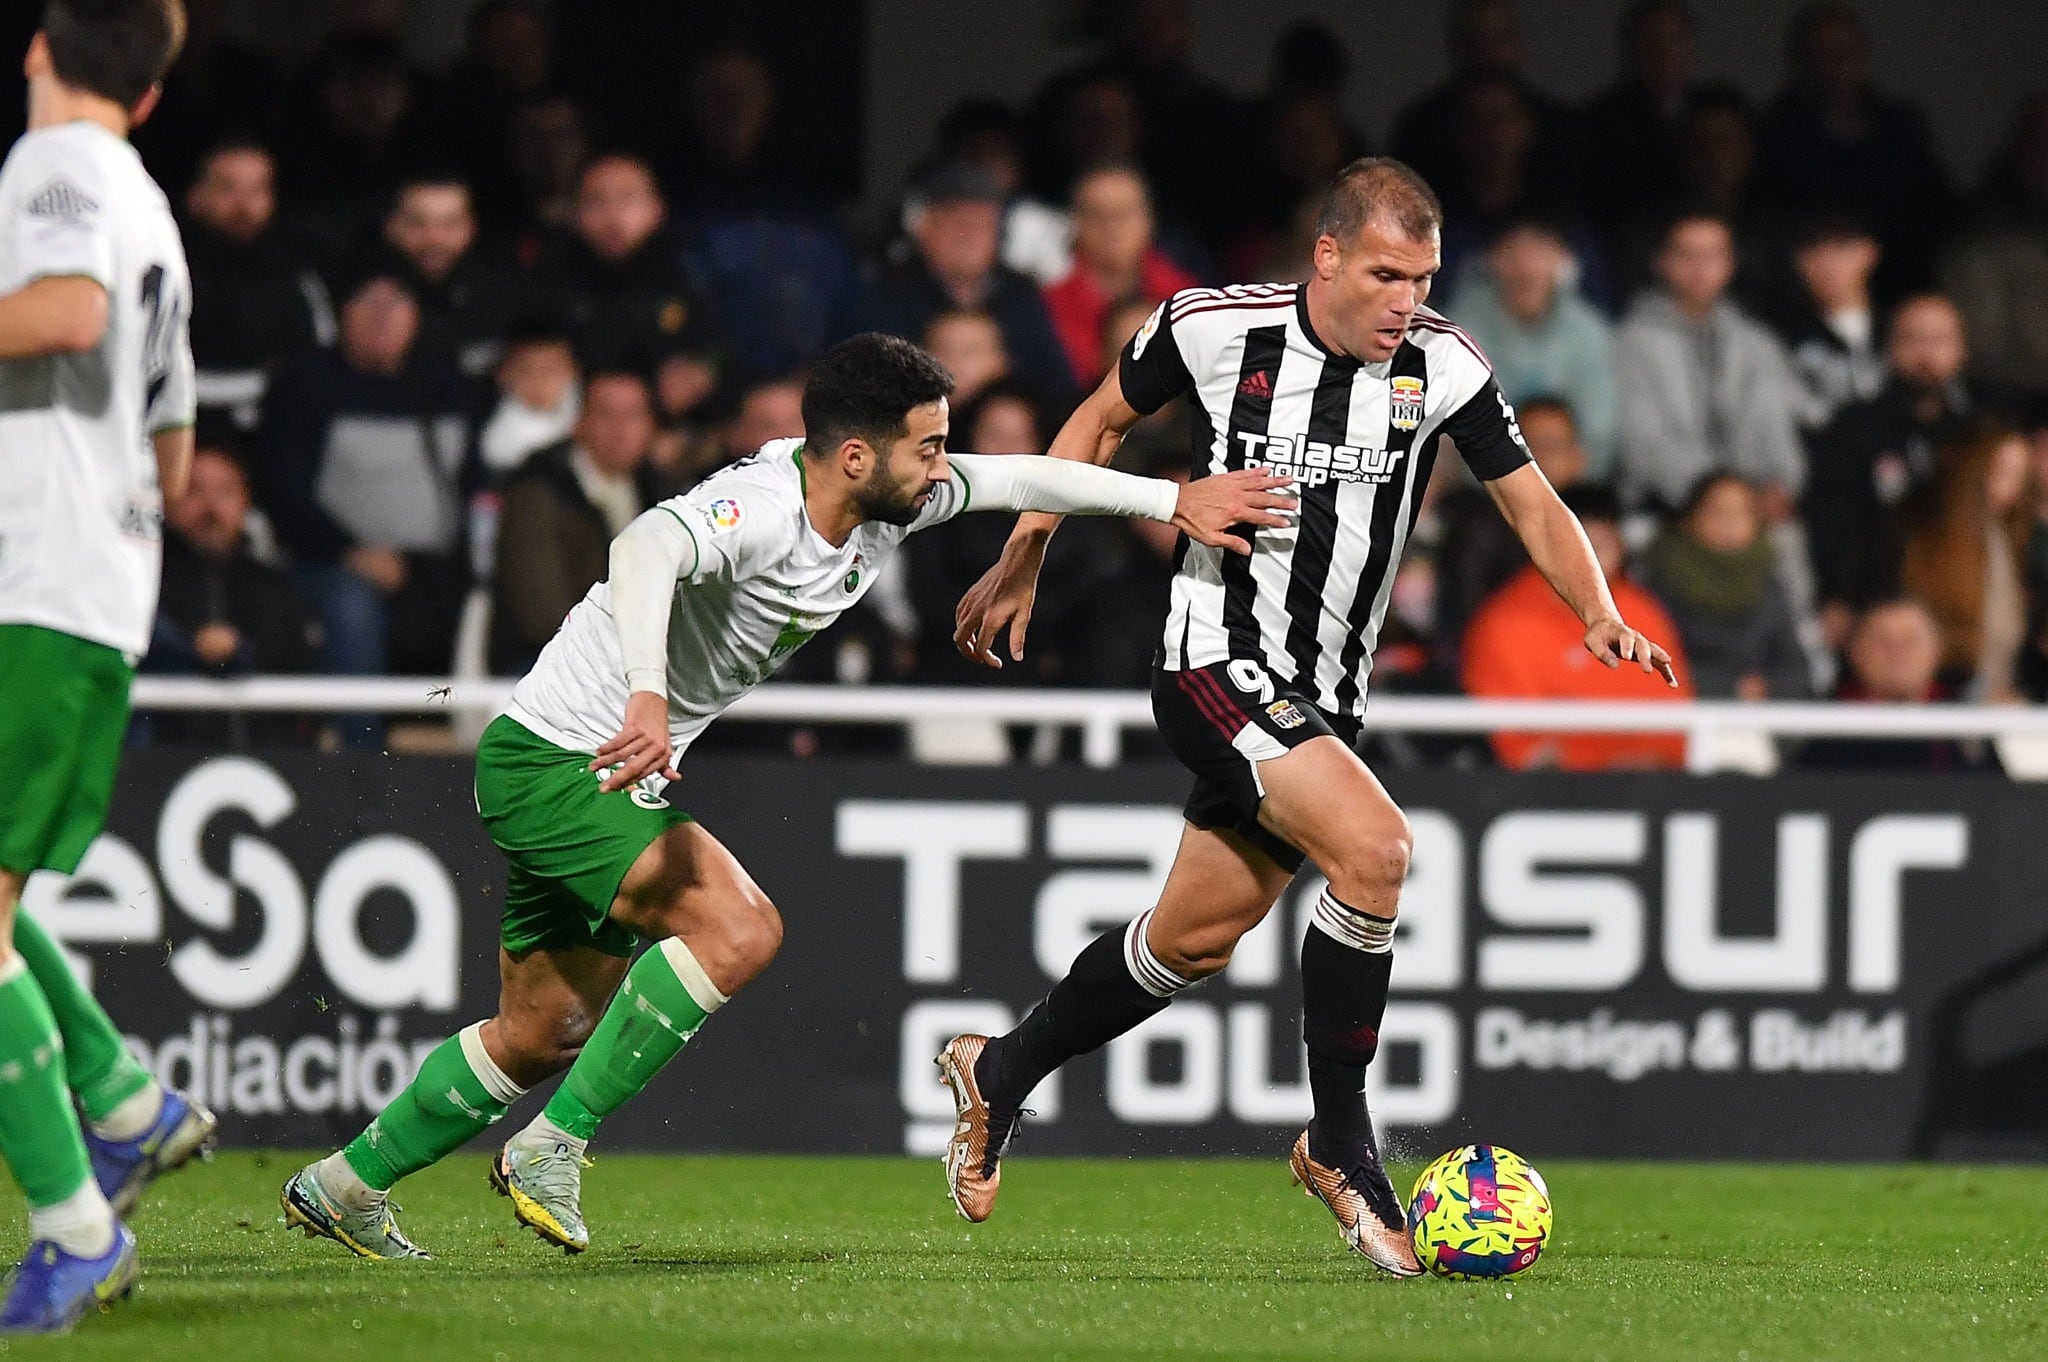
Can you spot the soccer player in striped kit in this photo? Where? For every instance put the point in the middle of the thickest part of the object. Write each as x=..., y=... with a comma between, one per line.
x=1347, y=383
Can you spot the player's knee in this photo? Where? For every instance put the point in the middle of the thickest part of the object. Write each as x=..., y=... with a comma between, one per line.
x=1374, y=860
x=759, y=933
x=1199, y=952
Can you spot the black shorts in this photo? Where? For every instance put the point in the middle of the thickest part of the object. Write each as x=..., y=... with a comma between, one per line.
x=1221, y=721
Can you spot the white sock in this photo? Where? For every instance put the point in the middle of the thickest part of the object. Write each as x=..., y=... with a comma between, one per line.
x=542, y=1131
x=81, y=1224
x=133, y=1117
x=341, y=1181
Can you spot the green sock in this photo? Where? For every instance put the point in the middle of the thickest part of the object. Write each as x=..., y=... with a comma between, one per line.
x=665, y=998
x=38, y=1132
x=103, y=1072
x=458, y=1093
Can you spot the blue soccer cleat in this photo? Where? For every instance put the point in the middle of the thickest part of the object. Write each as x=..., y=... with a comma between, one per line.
x=53, y=1290
x=125, y=1168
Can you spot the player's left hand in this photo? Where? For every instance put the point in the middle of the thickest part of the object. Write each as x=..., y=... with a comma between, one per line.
x=641, y=746
x=1615, y=643
x=1211, y=508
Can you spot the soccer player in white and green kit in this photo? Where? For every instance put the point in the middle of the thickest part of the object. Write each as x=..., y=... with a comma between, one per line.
x=96, y=407
x=709, y=592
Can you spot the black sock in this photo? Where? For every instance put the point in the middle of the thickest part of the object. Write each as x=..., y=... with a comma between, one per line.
x=1098, y=1001
x=1344, y=999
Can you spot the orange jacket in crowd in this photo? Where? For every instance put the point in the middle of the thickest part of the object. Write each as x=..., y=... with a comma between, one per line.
x=1526, y=644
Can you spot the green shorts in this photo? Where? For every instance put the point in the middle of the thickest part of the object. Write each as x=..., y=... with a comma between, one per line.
x=569, y=843
x=63, y=716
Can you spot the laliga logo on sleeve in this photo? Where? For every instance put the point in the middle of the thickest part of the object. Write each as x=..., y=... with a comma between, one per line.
x=722, y=515
x=1147, y=332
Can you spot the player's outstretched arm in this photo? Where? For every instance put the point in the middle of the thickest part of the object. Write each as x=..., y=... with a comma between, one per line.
x=1558, y=547
x=1003, y=598
x=1208, y=510
x=647, y=561
x=55, y=315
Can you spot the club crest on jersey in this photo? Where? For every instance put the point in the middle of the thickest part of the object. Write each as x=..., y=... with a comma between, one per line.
x=1404, y=402
x=1285, y=714
x=722, y=515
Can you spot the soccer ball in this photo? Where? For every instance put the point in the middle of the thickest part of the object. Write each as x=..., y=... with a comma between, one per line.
x=1479, y=1211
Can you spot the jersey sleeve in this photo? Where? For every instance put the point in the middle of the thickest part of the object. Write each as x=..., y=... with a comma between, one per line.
x=1152, y=370
x=56, y=216
x=1488, y=437
x=727, y=530
x=956, y=494
x=173, y=393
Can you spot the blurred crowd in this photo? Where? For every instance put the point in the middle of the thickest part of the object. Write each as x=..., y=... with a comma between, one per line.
x=455, y=329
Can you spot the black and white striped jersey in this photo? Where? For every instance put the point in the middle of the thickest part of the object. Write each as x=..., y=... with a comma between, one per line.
x=1360, y=440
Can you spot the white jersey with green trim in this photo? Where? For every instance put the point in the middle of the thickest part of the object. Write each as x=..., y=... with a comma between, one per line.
x=81, y=514
x=756, y=583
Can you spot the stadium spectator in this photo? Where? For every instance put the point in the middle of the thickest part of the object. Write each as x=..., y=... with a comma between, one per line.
x=728, y=157
x=1114, y=257
x=1037, y=236
x=768, y=409
x=1830, y=332
x=348, y=137
x=1870, y=461
x=561, y=511
x=547, y=146
x=1715, y=571
x=1963, y=557
x=465, y=296
x=1121, y=634
x=362, y=470
x=539, y=395
x=956, y=226
x=1830, y=143
x=1526, y=644
x=254, y=298
x=1998, y=272
x=1497, y=180
x=505, y=63
x=1702, y=387
x=1485, y=43
x=225, y=609
x=619, y=283
x=970, y=344
x=1142, y=101
x=1302, y=138
x=1476, y=551
x=1632, y=127
x=219, y=89
x=1894, y=656
x=1543, y=338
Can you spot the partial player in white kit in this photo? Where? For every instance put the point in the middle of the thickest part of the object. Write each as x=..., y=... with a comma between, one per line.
x=709, y=593
x=96, y=408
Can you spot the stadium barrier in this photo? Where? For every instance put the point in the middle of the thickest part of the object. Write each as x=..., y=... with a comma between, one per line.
x=1640, y=966
x=1720, y=735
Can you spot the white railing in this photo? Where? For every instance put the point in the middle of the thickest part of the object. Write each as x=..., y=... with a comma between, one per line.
x=1719, y=734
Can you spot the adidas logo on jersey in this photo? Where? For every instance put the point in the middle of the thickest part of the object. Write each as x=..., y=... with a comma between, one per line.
x=61, y=201
x=1313, y=463
x=1259, y=385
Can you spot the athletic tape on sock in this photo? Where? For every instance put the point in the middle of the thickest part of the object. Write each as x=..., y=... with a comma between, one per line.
x=1347, y=926
x=495, y=1080
x=1145, y=967
x=694, y=980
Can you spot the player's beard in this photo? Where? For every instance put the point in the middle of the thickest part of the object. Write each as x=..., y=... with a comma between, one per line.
x=891, y=502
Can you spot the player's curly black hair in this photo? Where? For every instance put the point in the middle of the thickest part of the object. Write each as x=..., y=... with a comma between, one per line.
x=864, y=388
x=116, y=49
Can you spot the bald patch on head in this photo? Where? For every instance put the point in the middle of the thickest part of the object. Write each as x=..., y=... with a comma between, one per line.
x=1379, y=188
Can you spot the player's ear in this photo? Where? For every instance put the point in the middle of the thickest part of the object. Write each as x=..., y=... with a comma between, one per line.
x=1329, y=256
x=145, y=106
x=856, y=457
x=37, y=60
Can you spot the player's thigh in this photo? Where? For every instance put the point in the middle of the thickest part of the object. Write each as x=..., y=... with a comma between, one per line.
x=548, y=1004
x=1219, y=888
x=687, y=884
x=63, y=714
x=1322, y=798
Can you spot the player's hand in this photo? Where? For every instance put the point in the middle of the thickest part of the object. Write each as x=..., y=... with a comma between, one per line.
x=1210, y=508
x=1615, y=643
x=641, y=745
x=1002, y=599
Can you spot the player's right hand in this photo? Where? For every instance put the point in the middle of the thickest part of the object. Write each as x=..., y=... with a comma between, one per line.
x=1211, y=508
x=641, y=746
x=1002, y=599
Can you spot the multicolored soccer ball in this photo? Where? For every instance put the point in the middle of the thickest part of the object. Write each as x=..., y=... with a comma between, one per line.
x=1479, y=1211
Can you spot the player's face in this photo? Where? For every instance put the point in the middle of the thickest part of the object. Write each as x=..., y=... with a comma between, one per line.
x=1375, y=283
x=910, y=469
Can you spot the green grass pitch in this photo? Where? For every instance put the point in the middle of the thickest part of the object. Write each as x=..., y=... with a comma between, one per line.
x=701, y=1259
